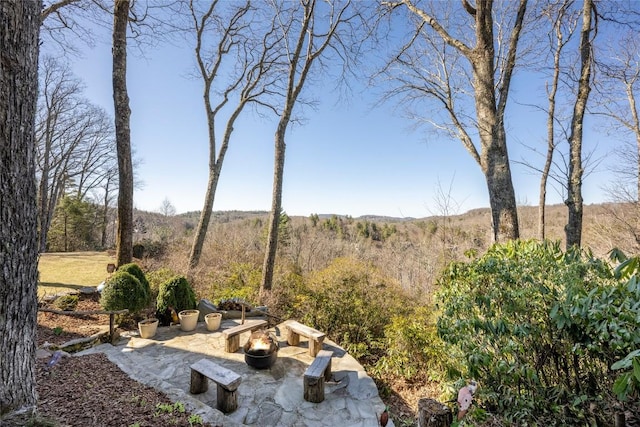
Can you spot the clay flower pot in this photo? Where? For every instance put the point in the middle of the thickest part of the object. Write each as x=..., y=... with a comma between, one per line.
x=188, y=319
x=148, y=328
x=213, y=321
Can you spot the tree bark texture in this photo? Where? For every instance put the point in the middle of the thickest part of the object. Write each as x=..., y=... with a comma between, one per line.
x=490, y=103
x=551, y=116
x=124, y=233
x=494, y=157
x=276, y=206
x=574, y=202
x=299, y=66
x=19, y=32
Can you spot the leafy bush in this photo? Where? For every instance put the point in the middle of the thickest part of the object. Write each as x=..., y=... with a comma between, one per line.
x=519, y=318
x=135, y=270
x=176, y=293
x=158, y=277
x=628, y=382
x=66, y=302
x=353, y=302
x=124, y=291
x=412, y=348
x=239, y=280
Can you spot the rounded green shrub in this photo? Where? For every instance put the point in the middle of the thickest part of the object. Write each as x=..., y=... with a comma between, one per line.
x=135, y=270
x=124, y=291
x=176, y=293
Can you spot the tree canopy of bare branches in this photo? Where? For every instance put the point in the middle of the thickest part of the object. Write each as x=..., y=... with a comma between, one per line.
x=458, y=52
x=238, y=52
x=75, y=145
x=311, y=31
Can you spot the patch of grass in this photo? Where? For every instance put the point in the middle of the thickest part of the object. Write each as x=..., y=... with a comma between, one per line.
x=68, y=271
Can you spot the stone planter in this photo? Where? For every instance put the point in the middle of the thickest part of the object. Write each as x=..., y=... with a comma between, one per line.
x=148, y=328
x=213, y=321
x=188, y=319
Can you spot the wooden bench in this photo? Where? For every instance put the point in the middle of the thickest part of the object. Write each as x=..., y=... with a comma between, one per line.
x=232, y=335
x=315, y=376
x=226, y=380
x=295, y=329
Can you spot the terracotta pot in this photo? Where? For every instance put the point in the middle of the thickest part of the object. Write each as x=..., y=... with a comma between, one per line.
x=213, y=321
x=188, y=319
x=148, y=328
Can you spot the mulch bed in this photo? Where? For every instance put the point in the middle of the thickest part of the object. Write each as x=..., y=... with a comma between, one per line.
x=90, y=390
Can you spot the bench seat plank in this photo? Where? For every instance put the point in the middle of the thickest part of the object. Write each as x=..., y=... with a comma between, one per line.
x=305, y=330
x=221, y=375
x=232, y=335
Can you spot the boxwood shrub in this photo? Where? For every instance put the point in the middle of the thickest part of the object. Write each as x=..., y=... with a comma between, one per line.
x=124, y=291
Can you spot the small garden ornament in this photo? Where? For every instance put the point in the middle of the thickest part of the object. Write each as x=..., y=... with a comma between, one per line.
x=465, y=398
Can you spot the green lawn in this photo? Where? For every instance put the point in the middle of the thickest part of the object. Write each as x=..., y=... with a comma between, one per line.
x=65, y=271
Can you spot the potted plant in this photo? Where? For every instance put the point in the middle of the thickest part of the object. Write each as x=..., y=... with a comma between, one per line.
x=148, y=327
x=213, y=321
x=188, y=319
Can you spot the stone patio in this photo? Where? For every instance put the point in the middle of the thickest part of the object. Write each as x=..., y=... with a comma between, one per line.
x=270, y=397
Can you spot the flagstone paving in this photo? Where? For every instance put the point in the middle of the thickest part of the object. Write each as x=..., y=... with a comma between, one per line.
x=268, y=397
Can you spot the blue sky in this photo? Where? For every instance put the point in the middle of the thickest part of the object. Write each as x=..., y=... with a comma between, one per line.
x=348, y=158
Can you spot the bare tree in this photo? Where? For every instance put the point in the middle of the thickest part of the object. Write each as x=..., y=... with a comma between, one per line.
x=74, y=142
x=231, y=37
x=617, y=101
x=124, y=234
x=563, y=26
x=308, y=29
x=574, y=201
x=167, y=208
x=453, y=67
x=19, y=31
x=110, y=185
x=97, y=156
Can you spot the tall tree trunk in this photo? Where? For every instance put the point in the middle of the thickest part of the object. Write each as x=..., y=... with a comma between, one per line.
x=295, y=83
x=215, y=167
x=494, y=157
x=19, y=32
x=124, y=235
x=490, y=102
x=573, y=229
x=43, y=192
x=276, y=206
x=205, y=215
x=551, y=115
x=105, y=215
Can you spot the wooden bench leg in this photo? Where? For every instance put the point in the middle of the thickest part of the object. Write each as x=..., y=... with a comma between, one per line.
x=232, y=344
x=313, y=389
x=327, y=371
x=227, y=400
x=199, y=383
x=314, y=347
x=293, y=338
